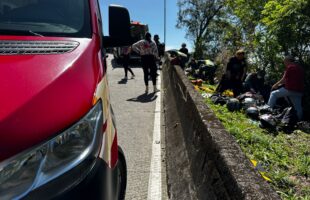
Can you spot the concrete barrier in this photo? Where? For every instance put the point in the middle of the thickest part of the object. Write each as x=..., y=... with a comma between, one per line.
x=203, y=159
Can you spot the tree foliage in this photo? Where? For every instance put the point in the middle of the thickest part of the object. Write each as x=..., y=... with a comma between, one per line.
x=196, y=16
x=289, y=22
x=267, y=29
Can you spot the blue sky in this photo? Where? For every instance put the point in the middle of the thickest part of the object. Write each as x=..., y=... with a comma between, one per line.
x=151, y=12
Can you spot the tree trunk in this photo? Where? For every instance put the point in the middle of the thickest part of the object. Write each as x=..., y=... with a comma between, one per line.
x=198, y=49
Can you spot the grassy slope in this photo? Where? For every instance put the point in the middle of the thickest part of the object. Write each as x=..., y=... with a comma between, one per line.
x=284, y=158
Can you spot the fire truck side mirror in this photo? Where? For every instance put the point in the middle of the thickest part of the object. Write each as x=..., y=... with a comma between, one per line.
x=119, y=28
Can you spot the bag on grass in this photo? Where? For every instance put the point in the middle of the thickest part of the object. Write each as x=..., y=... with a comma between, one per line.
x=268, y=121
x=218, y=99
x=289, y=118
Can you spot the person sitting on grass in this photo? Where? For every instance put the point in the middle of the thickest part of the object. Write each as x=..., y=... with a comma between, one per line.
x=254, y=82
x=293, y=82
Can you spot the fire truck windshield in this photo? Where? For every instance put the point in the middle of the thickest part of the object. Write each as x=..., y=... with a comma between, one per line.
x=45, y=18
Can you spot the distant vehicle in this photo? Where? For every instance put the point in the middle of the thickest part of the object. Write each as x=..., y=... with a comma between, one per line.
x=138, y=31
x=208, y=63
x=207, y=70
x=58, y=138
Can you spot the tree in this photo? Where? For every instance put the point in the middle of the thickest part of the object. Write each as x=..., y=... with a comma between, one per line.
x=289, y=22
x=196, y=16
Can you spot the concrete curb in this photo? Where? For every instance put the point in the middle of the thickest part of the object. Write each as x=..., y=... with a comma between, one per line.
x=217, y=167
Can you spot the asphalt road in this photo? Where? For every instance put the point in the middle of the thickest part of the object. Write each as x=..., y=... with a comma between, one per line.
x=134, y=112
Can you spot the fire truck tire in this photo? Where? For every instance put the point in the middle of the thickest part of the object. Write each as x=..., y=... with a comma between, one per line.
x=121, y=170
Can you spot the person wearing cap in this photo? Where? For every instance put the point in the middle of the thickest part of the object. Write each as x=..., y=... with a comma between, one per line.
x=149, y=54
x=156, y=39
x=160, y=46
x=235, y=74
x=293, y=81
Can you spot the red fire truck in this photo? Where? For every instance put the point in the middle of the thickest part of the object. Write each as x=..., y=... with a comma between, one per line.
x=138, y=31
x=58, y=138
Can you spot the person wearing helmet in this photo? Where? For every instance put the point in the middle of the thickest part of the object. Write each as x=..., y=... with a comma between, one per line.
x=235, y=74
x=293, y=81
x=149, y=54
x=184, y=49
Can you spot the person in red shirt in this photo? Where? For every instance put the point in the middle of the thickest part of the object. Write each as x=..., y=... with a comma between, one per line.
x=293, y=81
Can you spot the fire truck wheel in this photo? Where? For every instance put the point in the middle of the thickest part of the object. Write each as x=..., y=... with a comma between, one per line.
x=121, y=170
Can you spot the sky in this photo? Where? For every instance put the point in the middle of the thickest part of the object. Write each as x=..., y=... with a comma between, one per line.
x=151, y=12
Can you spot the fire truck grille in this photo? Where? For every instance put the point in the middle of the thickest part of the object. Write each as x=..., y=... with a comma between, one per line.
x=13, y=47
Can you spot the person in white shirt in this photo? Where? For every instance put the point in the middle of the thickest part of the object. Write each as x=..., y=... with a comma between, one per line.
x=149, y=54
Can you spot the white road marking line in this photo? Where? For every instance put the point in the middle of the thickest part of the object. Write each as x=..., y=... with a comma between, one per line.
x=154, y=189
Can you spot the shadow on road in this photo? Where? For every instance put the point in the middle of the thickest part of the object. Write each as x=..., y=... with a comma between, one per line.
x=132, y=64
x=144, y=98
x=123, y=81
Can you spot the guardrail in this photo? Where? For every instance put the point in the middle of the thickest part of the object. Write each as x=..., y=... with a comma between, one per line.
x=203, y=160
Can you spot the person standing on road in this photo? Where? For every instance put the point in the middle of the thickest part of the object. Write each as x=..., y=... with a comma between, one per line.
x=149, y=54
x=126, y=56
x=293, y=81
x=159, y=45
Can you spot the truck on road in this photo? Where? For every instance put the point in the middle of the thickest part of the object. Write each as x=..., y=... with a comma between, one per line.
x=137, y=31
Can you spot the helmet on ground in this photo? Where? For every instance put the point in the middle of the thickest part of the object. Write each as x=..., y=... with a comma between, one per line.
x=252, y=112
x=233, y=104
x=248, y=102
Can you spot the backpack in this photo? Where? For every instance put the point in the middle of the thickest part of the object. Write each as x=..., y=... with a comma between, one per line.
x=289, y=117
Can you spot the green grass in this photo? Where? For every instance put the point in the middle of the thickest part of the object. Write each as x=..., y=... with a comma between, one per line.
x=285, y=158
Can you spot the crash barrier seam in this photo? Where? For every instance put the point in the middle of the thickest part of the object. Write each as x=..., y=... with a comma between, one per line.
x=216, y=160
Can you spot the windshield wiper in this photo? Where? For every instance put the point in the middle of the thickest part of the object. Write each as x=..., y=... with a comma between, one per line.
x=34, y=33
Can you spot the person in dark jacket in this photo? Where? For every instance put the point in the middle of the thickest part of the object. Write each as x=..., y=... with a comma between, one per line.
x=160, y=46
x=235, y=74
x=184, y=59
x=126, y=56
x=184, y=49
x=293, y=81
